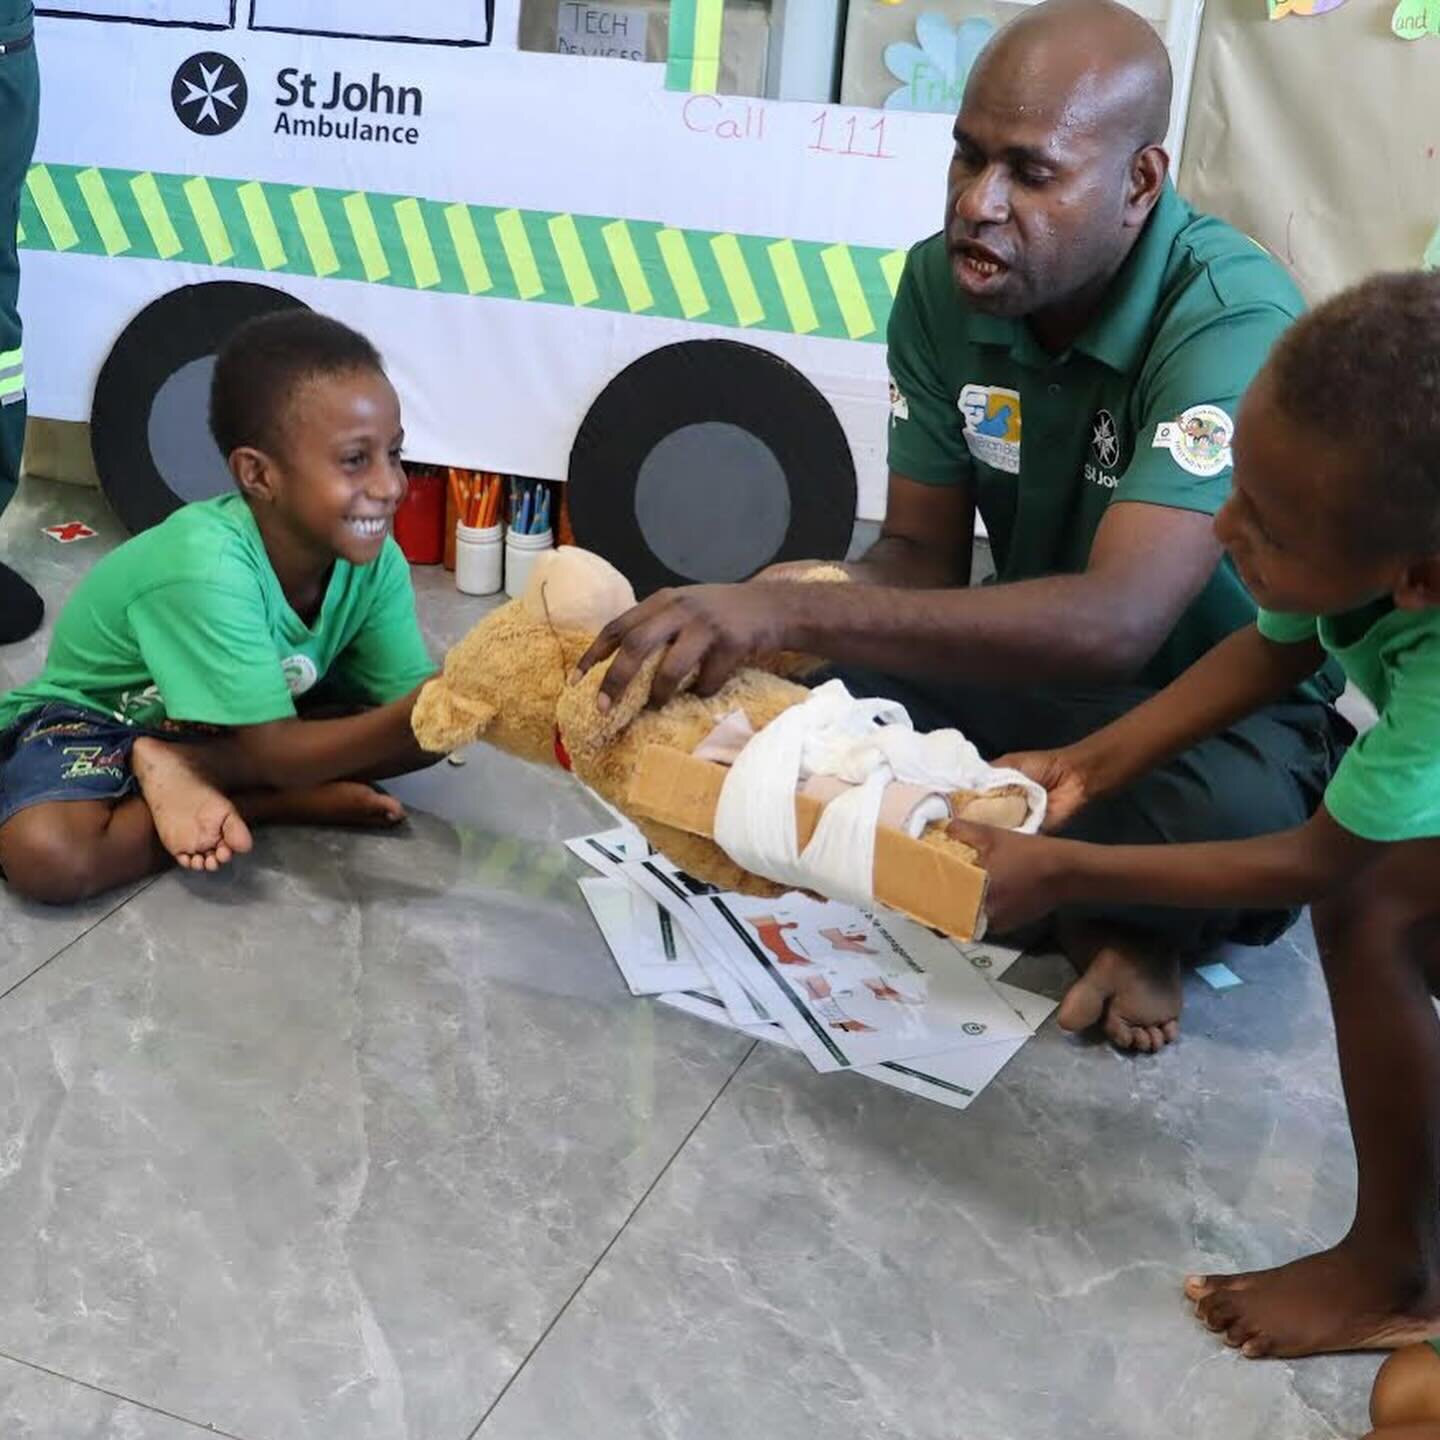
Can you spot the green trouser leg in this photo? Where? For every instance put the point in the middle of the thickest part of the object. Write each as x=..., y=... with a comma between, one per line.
x=19, y=118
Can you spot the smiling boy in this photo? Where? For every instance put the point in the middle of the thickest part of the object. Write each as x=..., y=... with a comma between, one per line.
x=208, y=629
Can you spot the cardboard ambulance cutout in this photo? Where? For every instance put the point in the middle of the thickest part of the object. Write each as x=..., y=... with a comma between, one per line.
x=514, y=229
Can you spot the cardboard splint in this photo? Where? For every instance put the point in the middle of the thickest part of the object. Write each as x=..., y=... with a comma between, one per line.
x=937, y=887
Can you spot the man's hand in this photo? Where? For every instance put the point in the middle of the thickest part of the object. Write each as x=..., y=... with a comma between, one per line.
x=1067, y=784
x=1024, y=873
x=711, y=631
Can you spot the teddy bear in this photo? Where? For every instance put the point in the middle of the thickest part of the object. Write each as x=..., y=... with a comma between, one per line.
x=512, y=683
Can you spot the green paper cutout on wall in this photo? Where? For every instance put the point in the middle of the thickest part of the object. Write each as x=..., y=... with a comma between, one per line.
x=1416, y=18
x=1430, y=260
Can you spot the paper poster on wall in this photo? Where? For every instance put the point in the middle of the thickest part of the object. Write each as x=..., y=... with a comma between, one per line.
x=1414, y=19
x=1279, y=9
x=610, y=32
x=932, y=72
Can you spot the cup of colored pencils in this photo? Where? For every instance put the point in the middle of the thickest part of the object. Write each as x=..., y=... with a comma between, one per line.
x=529, y=507
x=477, y=497
x=479, y=563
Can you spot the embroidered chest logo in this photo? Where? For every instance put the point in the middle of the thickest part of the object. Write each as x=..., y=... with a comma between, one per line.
x=992, y=425
x=1104, y=441
x=1104, y=456
x=1199, y=440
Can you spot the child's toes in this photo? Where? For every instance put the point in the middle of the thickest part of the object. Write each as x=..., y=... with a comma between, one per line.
x=1118, y=1031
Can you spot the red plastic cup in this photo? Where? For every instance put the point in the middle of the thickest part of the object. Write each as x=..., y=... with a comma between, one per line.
x=420, y=520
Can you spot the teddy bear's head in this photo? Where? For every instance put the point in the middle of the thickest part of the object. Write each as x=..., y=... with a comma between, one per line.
x=502, y=682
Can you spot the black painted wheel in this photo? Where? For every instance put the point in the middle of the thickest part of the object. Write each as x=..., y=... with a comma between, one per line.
x=149, y=422
x=707, y=461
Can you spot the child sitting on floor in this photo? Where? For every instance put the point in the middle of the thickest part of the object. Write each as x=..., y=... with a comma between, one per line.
x=207, y=629
x=1335, y=514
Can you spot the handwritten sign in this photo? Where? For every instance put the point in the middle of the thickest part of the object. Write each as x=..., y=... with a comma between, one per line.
x=613, y=32
x=1415, y=18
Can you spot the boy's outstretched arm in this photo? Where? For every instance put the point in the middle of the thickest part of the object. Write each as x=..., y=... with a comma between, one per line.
x=289, y=754
x=189, y=786
x=1029, y=876
x=1240, y=675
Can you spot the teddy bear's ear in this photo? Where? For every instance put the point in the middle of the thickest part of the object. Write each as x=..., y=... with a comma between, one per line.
x=444, y=721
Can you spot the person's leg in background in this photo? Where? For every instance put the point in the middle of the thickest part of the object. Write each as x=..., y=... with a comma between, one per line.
x=1266, y=774
x=21, y=609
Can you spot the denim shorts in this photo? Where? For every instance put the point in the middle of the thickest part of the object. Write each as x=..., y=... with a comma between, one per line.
x=61, y=752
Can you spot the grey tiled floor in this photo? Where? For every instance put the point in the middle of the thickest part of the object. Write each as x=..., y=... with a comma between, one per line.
x=364, y=1140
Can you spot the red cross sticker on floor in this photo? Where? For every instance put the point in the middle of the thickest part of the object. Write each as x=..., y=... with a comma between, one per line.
x=70, y=531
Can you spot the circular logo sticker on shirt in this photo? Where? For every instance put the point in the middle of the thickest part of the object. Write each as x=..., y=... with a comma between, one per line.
x=1199, y=440
x=300, y=673
x=1105, y=440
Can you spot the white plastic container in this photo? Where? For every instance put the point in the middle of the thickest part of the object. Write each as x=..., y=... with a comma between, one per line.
x=479, y=558
x=521, y=553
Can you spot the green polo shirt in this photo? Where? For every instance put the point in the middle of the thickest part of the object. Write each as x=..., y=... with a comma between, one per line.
x=1140, y=408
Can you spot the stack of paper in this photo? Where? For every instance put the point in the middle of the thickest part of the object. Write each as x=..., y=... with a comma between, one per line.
x=849, y=989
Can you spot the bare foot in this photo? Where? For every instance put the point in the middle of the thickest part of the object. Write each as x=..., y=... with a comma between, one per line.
x=343, y=802
x=1342, y=1299
x=1132, y=991
x=198, y=824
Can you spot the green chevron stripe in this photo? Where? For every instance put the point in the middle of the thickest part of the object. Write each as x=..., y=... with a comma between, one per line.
x=739, y=284
x=566, y=238
x=368, y=244
x=468, y=254
x=519, y=254
x=157, y=219
x=311, y=223
x=625, y=266
x=269, y=248
x=418, y=248
x=680, y=265
x=786, y=262
x=213, y=234
x=45, y=194
x=628, y=267
x=91, y=185
x=892, y=265
x=849, y=294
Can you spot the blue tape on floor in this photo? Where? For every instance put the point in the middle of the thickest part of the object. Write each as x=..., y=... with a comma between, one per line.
x=1218, y=976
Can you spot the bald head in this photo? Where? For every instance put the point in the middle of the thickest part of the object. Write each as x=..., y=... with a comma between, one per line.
x=1091, y=63
x=1059, y=160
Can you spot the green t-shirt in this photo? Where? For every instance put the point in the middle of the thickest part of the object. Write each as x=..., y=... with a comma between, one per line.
x=1140, y=408
x=188, y=622
x=1388, y=785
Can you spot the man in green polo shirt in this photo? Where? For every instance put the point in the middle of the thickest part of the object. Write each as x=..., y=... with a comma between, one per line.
x=1066, y=357
x=21, y=609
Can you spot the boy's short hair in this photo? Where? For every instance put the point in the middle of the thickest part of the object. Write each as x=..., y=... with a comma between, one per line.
x=266, y=362
x=1364, y=369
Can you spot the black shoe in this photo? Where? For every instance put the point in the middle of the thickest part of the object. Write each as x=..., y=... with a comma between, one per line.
x=21, y=608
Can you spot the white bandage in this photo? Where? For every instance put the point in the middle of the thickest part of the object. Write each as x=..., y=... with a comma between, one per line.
x=867, y=743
